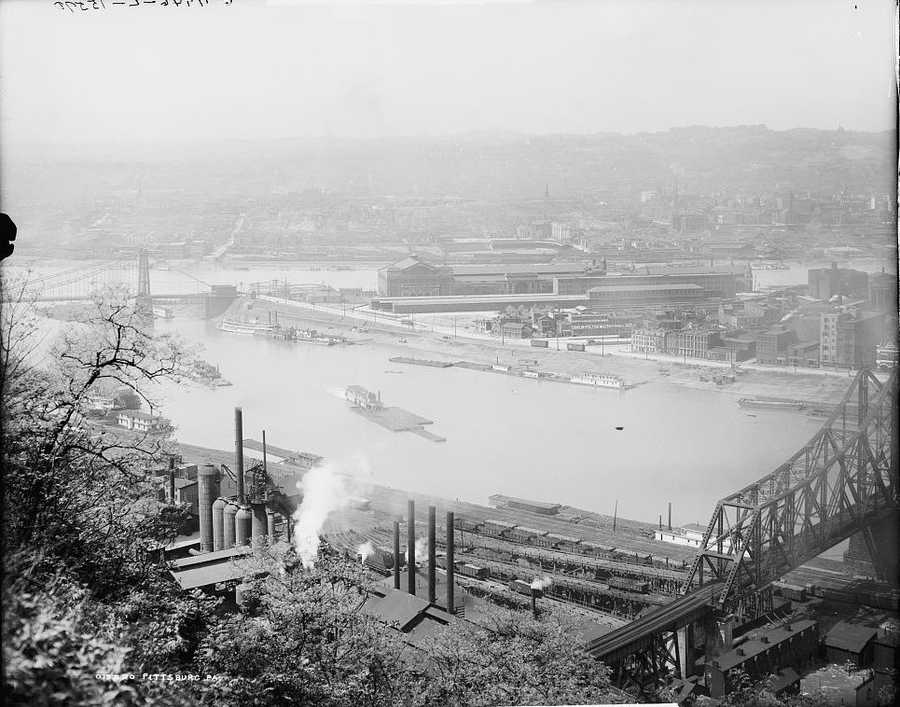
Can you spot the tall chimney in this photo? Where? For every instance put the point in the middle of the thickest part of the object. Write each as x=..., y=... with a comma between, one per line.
x=239, y=453
x=450, y=568
x=172, y=479
x=396, y=554
x=411, y=548
x=432, y=555
x=265, y=466
x=670, y=515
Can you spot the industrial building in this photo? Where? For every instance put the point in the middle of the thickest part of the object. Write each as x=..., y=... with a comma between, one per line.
x=413, y=277
x=825, y=283
x=793, y=644
x=850, y=642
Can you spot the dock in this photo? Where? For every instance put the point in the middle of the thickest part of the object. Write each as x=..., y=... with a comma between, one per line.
x=420, y=362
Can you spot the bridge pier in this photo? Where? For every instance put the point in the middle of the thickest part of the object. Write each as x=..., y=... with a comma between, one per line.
x=687, y=651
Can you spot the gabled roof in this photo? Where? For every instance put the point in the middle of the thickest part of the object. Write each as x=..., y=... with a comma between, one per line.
x=850, y=637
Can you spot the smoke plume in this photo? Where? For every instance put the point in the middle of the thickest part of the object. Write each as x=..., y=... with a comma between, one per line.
x=325, y=488
x=365, y=550
x=541, y=583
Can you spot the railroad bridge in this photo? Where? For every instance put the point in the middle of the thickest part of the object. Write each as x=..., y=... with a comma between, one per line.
x=844, y=481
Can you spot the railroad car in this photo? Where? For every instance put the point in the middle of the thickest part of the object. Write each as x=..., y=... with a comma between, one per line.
x=629, y=585
x=574, y=347
x=540, y=343
x=470, y=570
x=520, y=587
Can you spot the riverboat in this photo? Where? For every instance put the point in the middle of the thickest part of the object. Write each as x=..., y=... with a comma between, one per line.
x=598, y=380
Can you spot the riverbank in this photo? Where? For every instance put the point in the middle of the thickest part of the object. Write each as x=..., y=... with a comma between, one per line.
x=384, y=336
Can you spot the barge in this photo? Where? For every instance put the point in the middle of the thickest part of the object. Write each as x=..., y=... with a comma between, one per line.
x=598, y=380
x=755, y=403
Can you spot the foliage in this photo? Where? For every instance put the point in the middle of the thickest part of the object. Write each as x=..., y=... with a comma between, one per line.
x=83, y=593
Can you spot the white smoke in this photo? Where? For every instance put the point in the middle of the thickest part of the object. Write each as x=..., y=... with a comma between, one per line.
x=325, y=488
x=365, y=550
x=421, y=548
x=541, y=583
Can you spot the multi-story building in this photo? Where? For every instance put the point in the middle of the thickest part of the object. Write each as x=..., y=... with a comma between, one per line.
x=850, y=339
x=883, y=291
x=692, y=343
x=650, y=341
x=825, y=283
x=772, y=345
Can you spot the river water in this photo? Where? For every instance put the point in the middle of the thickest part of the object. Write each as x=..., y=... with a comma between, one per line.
x=535, y=439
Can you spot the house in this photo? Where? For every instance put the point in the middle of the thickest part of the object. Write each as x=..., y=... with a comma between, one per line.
x=141, y=421
x=102, y=403
x=515, y=330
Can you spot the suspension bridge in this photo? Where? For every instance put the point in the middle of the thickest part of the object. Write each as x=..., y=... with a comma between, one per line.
x=844, y=481
x=84, y=283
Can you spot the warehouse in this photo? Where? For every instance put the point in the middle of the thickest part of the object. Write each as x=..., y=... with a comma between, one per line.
x=850, y=642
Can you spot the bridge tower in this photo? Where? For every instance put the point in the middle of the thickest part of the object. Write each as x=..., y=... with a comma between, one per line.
x=144, y=302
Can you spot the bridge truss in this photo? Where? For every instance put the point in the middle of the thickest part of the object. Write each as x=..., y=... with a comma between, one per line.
x=845, y=480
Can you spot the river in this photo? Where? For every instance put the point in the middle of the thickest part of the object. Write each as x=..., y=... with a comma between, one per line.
x=534, y=439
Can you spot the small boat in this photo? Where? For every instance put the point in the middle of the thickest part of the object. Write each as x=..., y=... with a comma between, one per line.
x=403, y=340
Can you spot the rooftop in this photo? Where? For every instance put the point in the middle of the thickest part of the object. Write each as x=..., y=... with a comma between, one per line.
x=753, y=647
x=646, y=288
x=850, y=637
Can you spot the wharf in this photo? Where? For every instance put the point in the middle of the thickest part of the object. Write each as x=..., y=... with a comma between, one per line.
x=507, y=370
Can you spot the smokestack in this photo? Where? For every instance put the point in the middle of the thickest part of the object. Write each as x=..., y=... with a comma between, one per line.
x=615, y=514
x=172, y=479
x=670, y=515
x=411, y=548
x=396, y=554
x=270, y=525
x=450, y=568
x=239, y=453
x=431, y=555
x=265, y=466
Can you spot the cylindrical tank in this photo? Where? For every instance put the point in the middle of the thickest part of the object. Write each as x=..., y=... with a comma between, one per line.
x=228, y=534
x=259, y=525
x=207, y=491
x=218, y=521
x=242, y=526
x=271, y=517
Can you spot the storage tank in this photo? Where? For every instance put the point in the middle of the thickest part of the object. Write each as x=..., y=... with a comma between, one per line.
x=228, y=515
x=218, y=520
x=242, y=526
x=259, y=524
x=207, y=491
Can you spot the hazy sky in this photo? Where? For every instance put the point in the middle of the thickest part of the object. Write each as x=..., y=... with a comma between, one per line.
x=256, y=69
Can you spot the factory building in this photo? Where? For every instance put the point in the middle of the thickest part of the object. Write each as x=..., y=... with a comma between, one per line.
x=765, y=652
x=413, y=277
x=825, y=283
x=850, y=642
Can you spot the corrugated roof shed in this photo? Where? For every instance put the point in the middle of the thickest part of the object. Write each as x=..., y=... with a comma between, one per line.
x=397, y=607
x=850, y=637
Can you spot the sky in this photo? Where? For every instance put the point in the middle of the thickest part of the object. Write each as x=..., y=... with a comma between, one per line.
x=288, y=68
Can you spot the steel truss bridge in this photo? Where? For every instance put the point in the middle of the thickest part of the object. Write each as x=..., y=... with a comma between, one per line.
x=842, y=482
